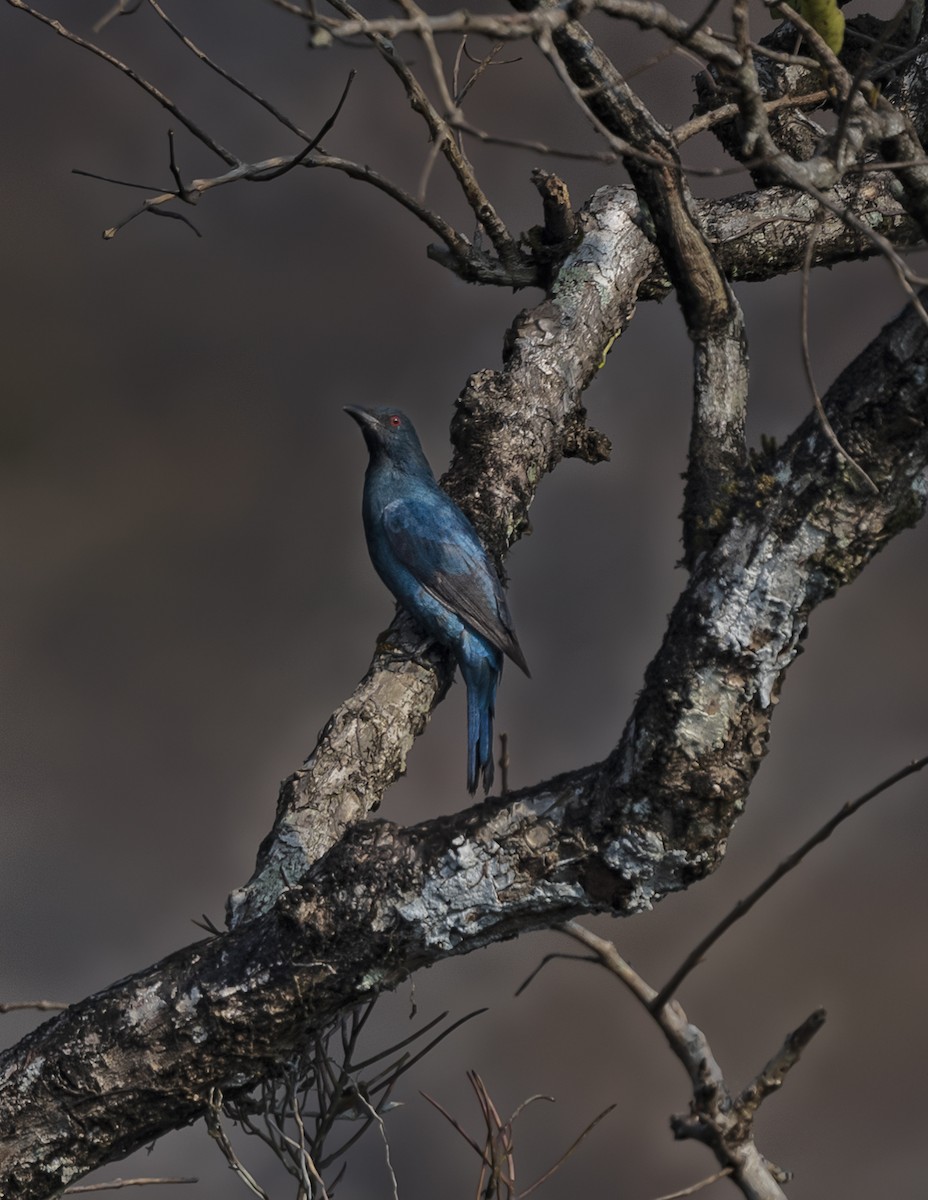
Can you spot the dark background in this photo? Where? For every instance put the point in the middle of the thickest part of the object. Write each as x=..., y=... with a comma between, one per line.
x=187, y=596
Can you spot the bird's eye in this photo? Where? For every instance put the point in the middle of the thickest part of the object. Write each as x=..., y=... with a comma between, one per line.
x=395, y=422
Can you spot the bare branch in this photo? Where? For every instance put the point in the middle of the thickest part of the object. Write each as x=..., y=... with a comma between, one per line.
x=200, y=134
x=771, y=1078
x=699, y=951
x=715, y=1119
x=807, y=365
x=231, y=79
x=123, y=8
x=712, y=314
x=213, y=1121
x=496, y=1154
x=568, y=1152
x=483, y=210
x=115, y=1184
x=727, y=111
x=697, y=1187
x=38, y=1005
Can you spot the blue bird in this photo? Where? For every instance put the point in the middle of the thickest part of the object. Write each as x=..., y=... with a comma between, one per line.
x=429, y=555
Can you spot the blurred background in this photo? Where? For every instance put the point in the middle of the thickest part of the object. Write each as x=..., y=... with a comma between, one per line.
x=186, y=596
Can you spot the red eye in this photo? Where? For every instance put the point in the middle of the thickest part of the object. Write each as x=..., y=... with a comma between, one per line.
x=395, y=422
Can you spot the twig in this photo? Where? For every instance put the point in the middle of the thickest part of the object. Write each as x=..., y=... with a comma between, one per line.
x=219, y=1135
x=227, y=75
x=378, y=1119
x=453, y=1121
x=715, y=1117
x=771, y=1078
x=411, y=1062
x=698, y=952
x=313, y=143
x=200, y=134
x=120, y=9
x=113, y=1184
x=381, y=1054
x=697, y=1187
x=826, y=425
x=479, y=202
x=144, y=187
x=530, y=978
x=457, y=244
x=727, y=112
x=38, y=1005
x=568, y=1152
x=496, y=1154
x=424, y=30
x=536, y=147
x=190, y=194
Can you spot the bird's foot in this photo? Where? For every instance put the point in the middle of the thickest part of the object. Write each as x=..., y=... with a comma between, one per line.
x=396, y=654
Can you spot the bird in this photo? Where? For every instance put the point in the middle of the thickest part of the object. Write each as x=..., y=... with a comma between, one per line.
x=431, y=558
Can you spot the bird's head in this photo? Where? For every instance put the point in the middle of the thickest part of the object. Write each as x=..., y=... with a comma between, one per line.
x=389, y=433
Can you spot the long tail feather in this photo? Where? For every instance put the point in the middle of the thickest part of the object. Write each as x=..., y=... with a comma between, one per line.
x=480, y=666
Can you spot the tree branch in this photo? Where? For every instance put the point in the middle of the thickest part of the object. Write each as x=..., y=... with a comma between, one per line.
x=716, y=1118
x=165, y=101
x=513, y=427
x=143, y=1056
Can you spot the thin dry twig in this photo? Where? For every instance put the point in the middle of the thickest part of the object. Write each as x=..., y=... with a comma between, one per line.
x=378, y=1120
x=219, y=1135
x=123, y=8
x=113, y=1184
x=423, y=28
x=827, y=427
x=728, y=112
x=770, y=1078
x=535, y=147
x=262, y=171
x=156, y=94
x=227, y=75
x=697, y=954
x=697, y=1187
x=498, y=1169
x=530, y=978
x=38, y=1005
x=484, y=211
x=568, y=1152
x=297, y=1109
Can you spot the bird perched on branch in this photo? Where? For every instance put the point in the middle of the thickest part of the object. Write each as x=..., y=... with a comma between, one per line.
x=429, y=555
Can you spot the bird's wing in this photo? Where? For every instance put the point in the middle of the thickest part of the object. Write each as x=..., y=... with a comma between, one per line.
x=434, y=540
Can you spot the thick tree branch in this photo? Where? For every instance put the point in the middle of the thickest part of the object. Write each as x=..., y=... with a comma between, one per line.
x=513, y=427
x=122, y=1067
x=712, y=314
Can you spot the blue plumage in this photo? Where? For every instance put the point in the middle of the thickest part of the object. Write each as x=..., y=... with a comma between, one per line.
x=429, y=555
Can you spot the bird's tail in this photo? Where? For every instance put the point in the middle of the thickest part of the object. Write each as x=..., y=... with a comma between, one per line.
x=480, y=665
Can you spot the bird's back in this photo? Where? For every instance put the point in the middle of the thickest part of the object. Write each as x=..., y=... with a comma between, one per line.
x=418, y=536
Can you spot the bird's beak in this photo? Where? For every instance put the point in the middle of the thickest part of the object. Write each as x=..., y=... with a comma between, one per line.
x=364, y=417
